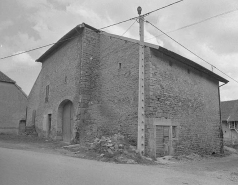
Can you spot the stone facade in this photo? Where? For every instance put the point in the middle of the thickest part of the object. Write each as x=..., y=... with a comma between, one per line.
x=102, y=84
x=12, y=107
x=189, y=97
x=61, y=72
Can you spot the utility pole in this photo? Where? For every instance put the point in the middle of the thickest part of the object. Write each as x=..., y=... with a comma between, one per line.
x=141, y=93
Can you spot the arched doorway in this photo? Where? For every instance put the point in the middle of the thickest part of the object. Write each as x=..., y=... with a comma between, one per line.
x=67, y=120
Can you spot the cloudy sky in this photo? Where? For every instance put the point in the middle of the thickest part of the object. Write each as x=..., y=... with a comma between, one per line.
x=27, y=24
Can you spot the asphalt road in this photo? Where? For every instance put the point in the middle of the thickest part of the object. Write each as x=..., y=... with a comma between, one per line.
x=20, y=167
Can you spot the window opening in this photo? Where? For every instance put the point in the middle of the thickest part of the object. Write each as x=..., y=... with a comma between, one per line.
x=232, y=125
x=33, y=117
x=65, y=79
x=49, y=122
x=47, y=93
x=119, y=65
x=174, y=132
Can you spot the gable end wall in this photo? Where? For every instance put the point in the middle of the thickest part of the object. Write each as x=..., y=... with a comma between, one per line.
x=189, y=97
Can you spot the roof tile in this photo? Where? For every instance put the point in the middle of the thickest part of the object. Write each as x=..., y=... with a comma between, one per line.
x=229, y=110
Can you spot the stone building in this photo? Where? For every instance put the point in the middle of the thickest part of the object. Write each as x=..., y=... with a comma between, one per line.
x=229, y=117
x=13, y=103
x=88, y=87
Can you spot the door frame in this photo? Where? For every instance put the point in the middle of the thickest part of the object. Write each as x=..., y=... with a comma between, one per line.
x=59, y=134
x=67, y=125
x=152, y=123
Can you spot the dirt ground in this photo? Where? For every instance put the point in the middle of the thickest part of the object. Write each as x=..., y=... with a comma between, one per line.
x=219, y=167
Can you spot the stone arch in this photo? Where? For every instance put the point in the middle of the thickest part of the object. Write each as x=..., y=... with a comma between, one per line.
x=65, y=120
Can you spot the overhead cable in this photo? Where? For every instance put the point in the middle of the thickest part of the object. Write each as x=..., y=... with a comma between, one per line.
x=162, y=8
x=98, y=29
x=191, y=51
x=204, y=20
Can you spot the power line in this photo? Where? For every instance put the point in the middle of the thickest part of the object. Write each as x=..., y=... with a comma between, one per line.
x=121, y=36
x=98, y=29
x=162, y=8
x=60, y=41
x=191, y=51
x=36, y=48
x=117, y=23
x=128, y=28
x=207, y=19
x=142, y=15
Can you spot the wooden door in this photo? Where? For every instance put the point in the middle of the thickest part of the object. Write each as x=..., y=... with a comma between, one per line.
x=67, y=121
x=162, y=140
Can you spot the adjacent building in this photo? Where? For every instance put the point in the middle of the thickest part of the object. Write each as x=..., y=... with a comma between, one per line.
x=13, y=103
x=88, y=87
x=229, y=117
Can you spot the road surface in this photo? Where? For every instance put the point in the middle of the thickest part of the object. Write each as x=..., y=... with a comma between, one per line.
x=20, y=167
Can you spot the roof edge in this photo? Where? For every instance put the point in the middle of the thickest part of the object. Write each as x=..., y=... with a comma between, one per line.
x=66, y=37
x=176, y=56
x=193, y=64
x=20, y=89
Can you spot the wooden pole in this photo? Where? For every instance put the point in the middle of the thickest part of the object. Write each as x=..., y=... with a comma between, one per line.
x=141, y=94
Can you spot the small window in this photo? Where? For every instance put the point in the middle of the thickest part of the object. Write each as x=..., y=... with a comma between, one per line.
x=49, y=122
x=232, y=125
x=65, y=79
x=174, y=132
x=119, y=65
x=47, y=89
x=33, y=117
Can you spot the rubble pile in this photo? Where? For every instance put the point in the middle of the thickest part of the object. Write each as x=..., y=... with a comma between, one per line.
x=30, y=131
x=116, y=149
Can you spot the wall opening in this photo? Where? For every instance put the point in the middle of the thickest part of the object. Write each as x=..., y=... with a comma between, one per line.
x=48, y=125
x=47, y=91
x=49, y=122
x=33, y=117
x=65, y=79
x=119, y=65
x=65, y=122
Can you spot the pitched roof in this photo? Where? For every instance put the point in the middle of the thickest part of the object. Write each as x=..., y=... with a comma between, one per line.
x=229, y=110
x=5, y=78
x=64, y=39
x=178, y=58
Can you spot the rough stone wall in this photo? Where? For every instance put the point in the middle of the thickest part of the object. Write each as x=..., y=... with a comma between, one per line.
x=87, y=75
x=61, y=72
x=189, y=97
x=114, y=99
x=12, y=107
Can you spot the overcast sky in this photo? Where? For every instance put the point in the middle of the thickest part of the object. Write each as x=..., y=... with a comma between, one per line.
x=27, y=24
